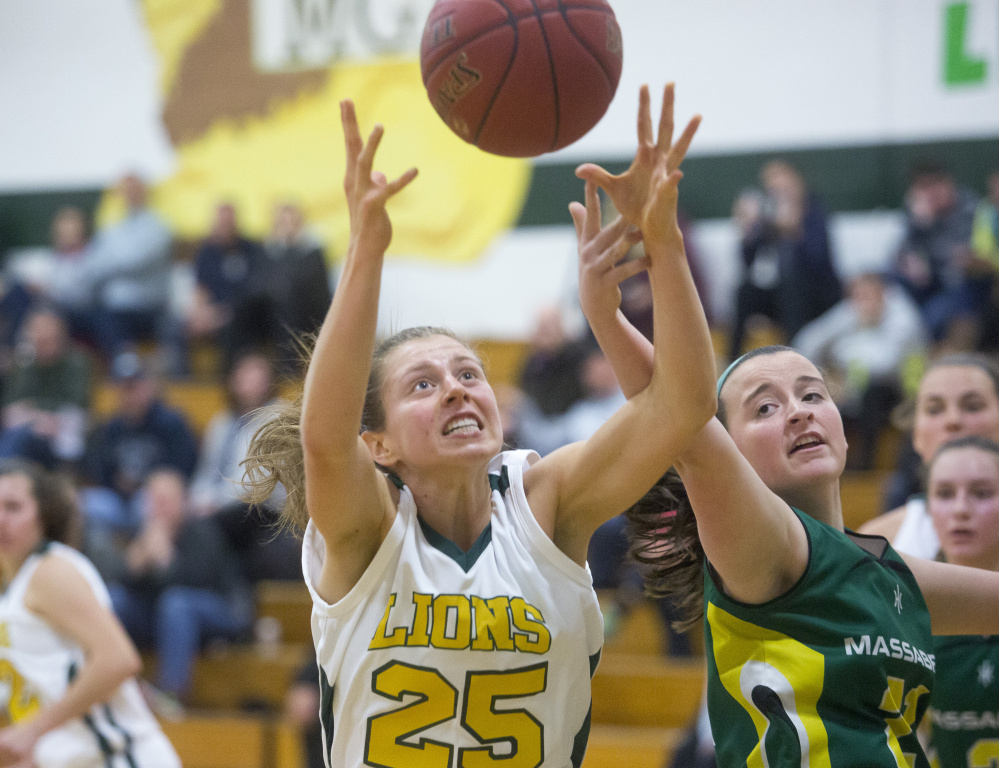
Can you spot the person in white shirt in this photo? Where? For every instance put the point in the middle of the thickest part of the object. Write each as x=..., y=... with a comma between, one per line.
x=71, y=699
x=453, y=615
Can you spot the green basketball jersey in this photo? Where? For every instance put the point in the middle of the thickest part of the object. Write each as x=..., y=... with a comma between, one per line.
x=965, y=712
x=834, y=673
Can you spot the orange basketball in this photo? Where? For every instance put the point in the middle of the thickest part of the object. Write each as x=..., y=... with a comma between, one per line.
x=521, y=77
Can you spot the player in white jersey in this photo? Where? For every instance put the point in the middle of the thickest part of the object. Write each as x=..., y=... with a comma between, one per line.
x=67, y=689
x=453, y=615
x=958, y=396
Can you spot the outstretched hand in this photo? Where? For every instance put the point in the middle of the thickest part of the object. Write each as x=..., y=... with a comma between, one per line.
x=601, y=269
x=367, y=190
x=645, y=194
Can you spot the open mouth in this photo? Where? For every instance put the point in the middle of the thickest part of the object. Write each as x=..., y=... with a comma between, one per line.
x=464, y=425
x=805, y=442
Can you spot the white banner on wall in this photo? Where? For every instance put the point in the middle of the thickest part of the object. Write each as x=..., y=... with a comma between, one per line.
x=78, y=82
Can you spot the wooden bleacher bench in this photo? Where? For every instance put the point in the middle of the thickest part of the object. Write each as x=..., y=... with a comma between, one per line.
x=230, y=740
x=220, y=741
x=241, y=677
x=614, y=746
x=647, y=691
x=861, y=494
x=290, y=603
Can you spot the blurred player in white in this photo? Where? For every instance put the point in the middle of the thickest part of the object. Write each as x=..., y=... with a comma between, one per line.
x=67, y=668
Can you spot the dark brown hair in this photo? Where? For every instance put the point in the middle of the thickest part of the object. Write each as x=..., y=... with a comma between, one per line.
x=664, y=543
x=55, y=497
x=968, y=441
x=275, y=453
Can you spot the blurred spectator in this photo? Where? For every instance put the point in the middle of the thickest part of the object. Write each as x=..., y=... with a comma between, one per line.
x=129, y=268
x=932, y=261
x=65, y=284
x=225, y=267
x=789, y=273
x=56, y=276
x=266, y=552
x=602, y=397
x=866, y=344
x=15, y=303
x=985, y=244
x=47, y=396
x=143, y=434
x=177, y=584
x=215, y=484
x=288, y=296
x=551, y=375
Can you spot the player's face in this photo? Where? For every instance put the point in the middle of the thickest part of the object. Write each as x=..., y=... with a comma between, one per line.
x=782, y=419
x=438, y=404
x=963, y=499
x=954, y=401
x=20, y=526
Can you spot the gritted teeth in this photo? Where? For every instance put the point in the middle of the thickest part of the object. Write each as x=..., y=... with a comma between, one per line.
x=464, y=423
x=805, y=442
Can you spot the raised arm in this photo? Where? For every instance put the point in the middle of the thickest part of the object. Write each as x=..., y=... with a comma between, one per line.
x=741, y=503
x=585, y=484
x=601, y=272
x=962, y=600
x=347, y=498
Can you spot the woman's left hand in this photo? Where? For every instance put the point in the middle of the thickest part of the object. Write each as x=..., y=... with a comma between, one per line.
x=367, y=190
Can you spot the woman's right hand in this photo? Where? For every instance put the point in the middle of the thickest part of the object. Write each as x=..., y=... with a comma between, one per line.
x=601, y=269
x=367, y=191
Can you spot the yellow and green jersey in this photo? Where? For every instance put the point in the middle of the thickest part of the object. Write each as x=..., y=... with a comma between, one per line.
x=835, y=673
x=965, y=712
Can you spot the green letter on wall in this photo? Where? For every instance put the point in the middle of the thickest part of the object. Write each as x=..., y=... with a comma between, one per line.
x=959, y=67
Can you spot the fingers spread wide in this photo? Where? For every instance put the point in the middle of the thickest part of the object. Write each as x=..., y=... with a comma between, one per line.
x=645, y=137
x=665, y=139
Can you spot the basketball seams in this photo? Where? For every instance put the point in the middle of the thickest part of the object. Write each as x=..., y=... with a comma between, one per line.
x=491, y=42
x=512, y=23
x=551, y=68
x=562, y=9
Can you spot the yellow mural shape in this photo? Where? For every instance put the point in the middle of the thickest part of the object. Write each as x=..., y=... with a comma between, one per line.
x=461, y=200
x=173, y=25
x=293, y=152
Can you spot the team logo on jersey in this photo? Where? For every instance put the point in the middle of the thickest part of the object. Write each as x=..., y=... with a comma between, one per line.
x=891, y=647
x=898, y=598
x=456, y=622
x=986, y=674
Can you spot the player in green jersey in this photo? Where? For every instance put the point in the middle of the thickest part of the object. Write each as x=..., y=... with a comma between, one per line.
x=819, y=647
x=963, y=500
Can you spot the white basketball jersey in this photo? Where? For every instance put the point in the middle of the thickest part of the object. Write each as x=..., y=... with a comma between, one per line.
x=37, y=665
x=444, y=658
x=916, y=535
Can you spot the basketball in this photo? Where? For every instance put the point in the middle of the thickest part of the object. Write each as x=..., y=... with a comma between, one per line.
x=521, y=77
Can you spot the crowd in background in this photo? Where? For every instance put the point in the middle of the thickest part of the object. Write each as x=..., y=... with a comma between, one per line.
x=165, y=524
